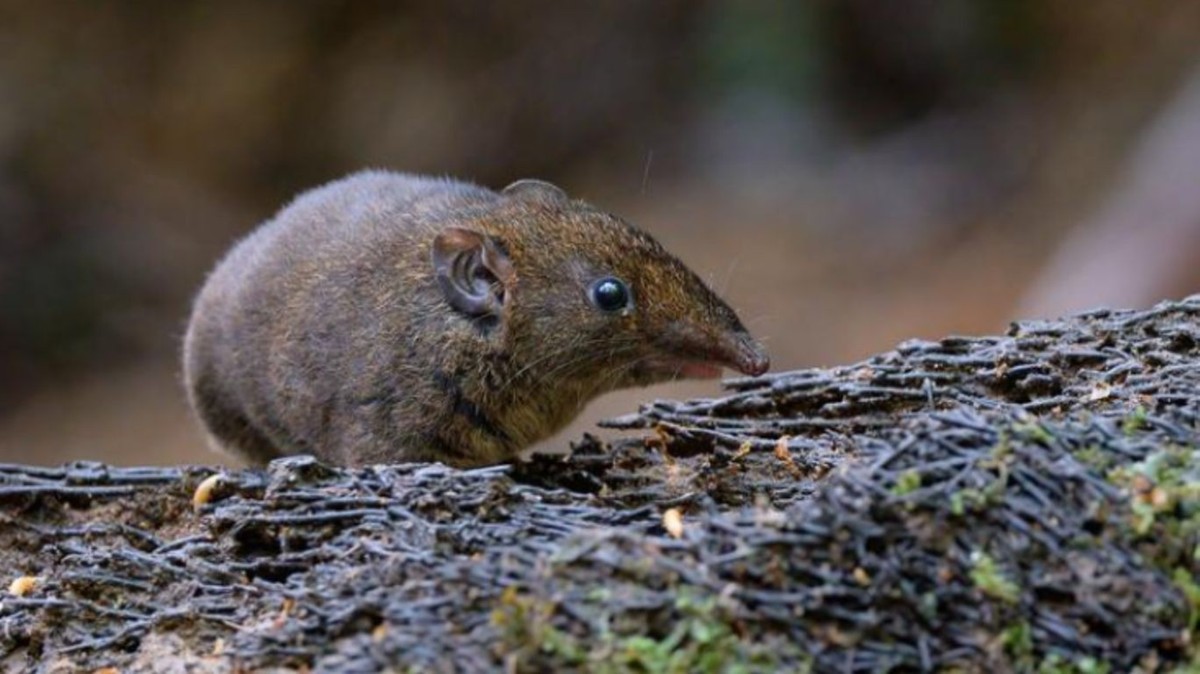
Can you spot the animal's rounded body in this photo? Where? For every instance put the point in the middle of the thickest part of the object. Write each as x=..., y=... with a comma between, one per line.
x=390, y=317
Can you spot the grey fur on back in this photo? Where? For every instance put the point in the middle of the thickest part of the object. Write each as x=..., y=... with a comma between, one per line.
x=389, y=317
x=274, y=312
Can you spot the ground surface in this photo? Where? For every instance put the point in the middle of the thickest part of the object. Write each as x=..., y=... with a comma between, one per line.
x=980, y=504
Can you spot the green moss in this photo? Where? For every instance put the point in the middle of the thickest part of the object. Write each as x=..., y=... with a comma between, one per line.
x=1056, y=664
x=972, y=499
x=525, y=628
x=1164, y=502
x=1095, y=458
x=1017, y=640
x=988, y=578
x=1164, y=516
x=1186, y=582
x=1002, y=451
x=700, y=640
x=966, y=500
x=908, y=482
x=1135, y=422
x=1033, y=432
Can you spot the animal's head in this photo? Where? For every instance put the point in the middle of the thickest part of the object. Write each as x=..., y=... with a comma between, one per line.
x=586, y=296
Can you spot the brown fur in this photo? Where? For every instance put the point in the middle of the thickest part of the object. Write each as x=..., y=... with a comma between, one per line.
x=325, y=330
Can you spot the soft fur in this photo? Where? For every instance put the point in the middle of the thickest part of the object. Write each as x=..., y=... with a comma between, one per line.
x=325, y=330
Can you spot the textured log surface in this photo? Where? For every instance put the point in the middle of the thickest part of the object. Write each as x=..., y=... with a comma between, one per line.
x=988, y=504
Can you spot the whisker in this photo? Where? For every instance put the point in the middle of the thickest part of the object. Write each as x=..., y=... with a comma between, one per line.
x=582, y=359
x=579, y=346
x=646, y=171
x=733, y=263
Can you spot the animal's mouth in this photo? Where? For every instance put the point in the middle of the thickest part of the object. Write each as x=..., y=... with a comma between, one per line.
x=689, y=354
x=671, y=368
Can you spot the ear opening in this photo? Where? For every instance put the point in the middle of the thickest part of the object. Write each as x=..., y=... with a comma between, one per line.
x=473, y=271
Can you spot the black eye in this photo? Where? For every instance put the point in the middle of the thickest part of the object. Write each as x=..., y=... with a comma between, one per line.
x=610, y=294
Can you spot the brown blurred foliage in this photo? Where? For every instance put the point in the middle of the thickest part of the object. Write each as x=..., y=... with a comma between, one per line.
x=850, y=172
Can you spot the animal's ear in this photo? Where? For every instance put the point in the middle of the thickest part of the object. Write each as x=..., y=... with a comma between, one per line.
x=473, y=271
x=536, y=189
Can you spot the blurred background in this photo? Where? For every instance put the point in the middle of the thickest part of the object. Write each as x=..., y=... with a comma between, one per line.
x=848, y=173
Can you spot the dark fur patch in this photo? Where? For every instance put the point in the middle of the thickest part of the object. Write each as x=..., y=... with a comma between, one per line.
x=463, y=406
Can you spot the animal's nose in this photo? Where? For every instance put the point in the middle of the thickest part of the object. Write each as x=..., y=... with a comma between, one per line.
x=748, y=355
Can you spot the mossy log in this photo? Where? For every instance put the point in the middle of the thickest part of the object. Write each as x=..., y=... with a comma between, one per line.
x=1026, y=502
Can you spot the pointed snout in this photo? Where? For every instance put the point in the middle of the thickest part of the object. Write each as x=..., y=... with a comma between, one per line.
x=745, y=354
x=734, y=349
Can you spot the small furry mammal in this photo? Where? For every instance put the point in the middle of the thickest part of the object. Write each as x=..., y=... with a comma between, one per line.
x=388, y=317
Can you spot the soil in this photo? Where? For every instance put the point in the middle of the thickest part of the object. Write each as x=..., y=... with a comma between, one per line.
x=975, y=503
